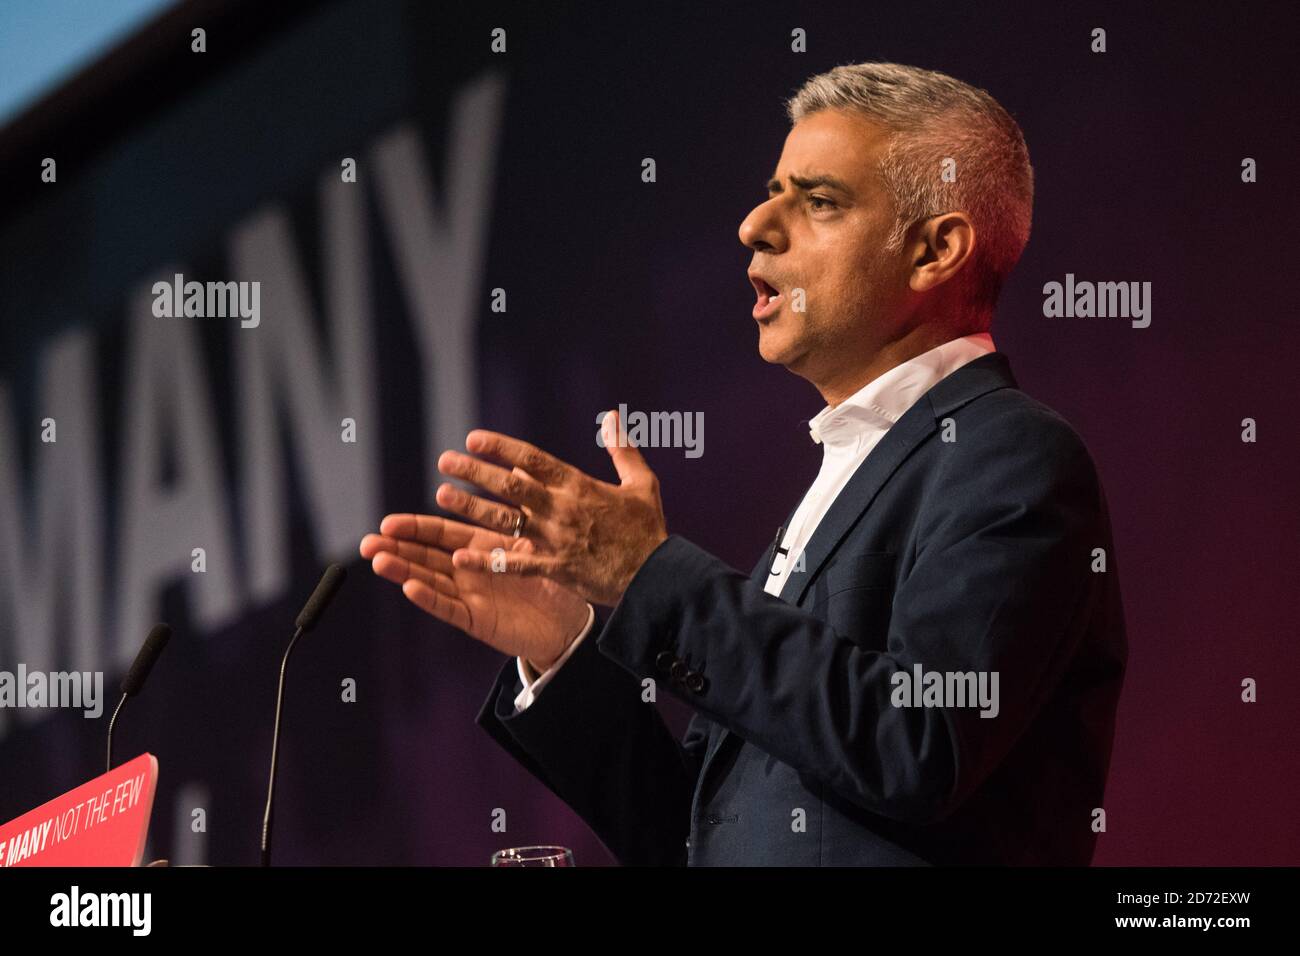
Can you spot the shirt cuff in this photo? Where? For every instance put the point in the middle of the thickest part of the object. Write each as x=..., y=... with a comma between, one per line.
x=532, y=683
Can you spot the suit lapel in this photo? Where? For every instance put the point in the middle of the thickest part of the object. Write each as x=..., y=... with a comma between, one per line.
x=852, y=502
x=976, y=378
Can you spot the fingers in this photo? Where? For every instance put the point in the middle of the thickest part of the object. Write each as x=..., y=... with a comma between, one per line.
x=489, y=514
x=432, y=530
x=444, y=608
x=429, y=585
x=434, y=559
x=515, y=486
x=390, y=567
x=522, y=563
x=545, y=467
x=628, y=460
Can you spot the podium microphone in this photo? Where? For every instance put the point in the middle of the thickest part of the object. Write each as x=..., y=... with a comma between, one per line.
x=306, y=620
x=136, y=676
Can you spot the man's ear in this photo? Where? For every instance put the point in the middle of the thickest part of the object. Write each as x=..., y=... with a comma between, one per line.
x=943, y=246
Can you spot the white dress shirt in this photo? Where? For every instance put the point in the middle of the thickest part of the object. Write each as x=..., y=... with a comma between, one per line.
x=847, y=433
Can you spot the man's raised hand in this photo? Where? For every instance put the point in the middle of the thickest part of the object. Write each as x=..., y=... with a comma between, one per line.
x=590, y=535
x=527, y=617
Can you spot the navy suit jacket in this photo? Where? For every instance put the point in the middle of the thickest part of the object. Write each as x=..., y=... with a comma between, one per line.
x=975, y=539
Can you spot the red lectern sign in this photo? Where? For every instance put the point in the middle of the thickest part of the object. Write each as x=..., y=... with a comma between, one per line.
x=100, y=823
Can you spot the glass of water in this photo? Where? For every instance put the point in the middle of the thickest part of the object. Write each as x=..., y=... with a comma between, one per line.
x=533, y=856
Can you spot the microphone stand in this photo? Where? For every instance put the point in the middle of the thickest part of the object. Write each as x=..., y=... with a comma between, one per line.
x=275, y=752
x=112, y=722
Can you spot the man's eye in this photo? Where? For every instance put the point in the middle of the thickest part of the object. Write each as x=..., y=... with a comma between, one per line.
x=819, y=203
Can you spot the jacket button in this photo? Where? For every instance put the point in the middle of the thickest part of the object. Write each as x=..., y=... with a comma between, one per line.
x=695, y=682
x=665, y=661
x=679, y=670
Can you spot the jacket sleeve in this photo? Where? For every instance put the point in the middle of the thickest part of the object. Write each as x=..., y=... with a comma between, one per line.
x=998, y=583
x=607, y=753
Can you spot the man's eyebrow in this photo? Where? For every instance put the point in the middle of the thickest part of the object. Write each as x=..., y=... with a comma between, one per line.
x=810, y=182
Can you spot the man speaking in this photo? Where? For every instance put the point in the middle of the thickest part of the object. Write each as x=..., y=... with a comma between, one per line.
x=925, y=666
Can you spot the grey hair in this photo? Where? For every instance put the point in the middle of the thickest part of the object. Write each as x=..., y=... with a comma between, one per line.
x=932, y=117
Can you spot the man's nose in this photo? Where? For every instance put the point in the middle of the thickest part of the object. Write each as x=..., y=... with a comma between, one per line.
x=761, y=230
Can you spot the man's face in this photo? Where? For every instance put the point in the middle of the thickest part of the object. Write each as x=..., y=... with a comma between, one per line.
x=823, y=230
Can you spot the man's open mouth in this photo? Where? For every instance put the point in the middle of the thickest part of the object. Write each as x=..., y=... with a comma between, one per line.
x=769, y=298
